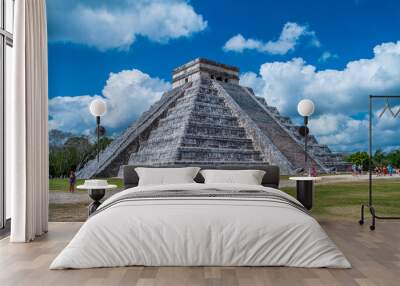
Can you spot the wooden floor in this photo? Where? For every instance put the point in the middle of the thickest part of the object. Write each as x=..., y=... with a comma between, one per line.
x=375, y=257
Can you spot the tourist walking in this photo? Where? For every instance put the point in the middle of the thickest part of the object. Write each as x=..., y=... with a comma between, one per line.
x=72, y=181
x=354, y=169
x=390, y=169
x=378, y=171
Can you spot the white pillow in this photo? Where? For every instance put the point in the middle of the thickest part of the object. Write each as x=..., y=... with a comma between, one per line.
x=247, y=177
x=165, y=176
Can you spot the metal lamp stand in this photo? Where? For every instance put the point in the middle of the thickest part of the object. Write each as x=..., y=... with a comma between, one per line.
x=370, y=203
x=305, y=144
x=303, y=131
x=98, y=137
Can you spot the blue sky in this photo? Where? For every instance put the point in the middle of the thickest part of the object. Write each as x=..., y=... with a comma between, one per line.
x=286, y=50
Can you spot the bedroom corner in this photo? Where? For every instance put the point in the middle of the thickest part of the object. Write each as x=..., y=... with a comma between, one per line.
x=159, y=142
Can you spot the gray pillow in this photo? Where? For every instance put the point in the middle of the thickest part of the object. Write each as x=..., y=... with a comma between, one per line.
x=166, y=176
x=246, y=177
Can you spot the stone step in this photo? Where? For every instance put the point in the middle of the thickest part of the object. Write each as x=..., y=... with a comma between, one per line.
x=203, y=98
x=183, y=106
x=200, y=139
x=215, y=130
x=199, y=107
x=173, y=119
x=166, y=131
x=212, y=115
x=152, y=157
x=234, y=139
x=218, y=110
x=196, y=154
x=186, y=100
x=217, y=154
x=214, y=100
x=216, y=142
x=214, y=120
x=229, y=146
x=210, y=105
x=207, y=89
x=156, y=142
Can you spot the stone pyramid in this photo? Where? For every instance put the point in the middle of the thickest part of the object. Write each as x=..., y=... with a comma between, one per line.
x=208, y=119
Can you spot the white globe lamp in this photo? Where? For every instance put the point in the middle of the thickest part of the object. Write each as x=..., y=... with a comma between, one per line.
x=98, y=107
x=305, y=107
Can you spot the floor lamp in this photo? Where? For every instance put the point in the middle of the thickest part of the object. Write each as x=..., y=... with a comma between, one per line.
x=305, y=108
x=98, y=107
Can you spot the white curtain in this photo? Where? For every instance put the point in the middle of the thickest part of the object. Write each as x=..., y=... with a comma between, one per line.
x=27, y=124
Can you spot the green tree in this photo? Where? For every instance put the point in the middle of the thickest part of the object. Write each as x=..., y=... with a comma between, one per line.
x=394, y=158
x=82, y=144
x=379, y=158
x=73, y=154
x=61, y=161
x=359, y=158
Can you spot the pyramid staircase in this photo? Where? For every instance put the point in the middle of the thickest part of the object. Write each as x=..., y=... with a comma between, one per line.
x=200, y=130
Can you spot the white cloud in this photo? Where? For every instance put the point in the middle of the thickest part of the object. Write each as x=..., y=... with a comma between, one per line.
x=339, y=93
x=327, y=56
x=285, y=83
x=340, y=132
x=238, y=44
x=344, y=133
x=111, y=24
x=127, y=93
x=287, y=41
x=251, y=79
x=71, y=114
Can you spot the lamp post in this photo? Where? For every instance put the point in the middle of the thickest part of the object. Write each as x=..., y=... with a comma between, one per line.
x=305, y=109
x=98, y=107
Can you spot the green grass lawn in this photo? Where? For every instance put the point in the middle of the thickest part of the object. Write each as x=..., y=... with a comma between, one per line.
x=63, y=185
x=343, y=200
x=332, y=201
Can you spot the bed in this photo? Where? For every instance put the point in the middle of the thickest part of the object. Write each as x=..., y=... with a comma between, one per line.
x=197, y=224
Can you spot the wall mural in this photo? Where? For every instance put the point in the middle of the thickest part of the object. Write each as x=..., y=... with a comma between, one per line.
x=189, y=86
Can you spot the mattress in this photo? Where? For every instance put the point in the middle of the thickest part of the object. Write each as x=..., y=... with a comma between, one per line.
x=201, y=225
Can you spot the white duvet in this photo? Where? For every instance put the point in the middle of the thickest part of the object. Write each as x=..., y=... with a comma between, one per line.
x=200, y=231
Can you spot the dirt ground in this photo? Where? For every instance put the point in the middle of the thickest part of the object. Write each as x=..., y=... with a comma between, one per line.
x=65, y=206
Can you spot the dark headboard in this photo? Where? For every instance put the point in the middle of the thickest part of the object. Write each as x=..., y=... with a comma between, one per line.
x=270, y=179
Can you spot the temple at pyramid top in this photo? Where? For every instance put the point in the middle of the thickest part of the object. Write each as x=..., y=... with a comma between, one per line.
x=203, y=68
x=209, y=119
